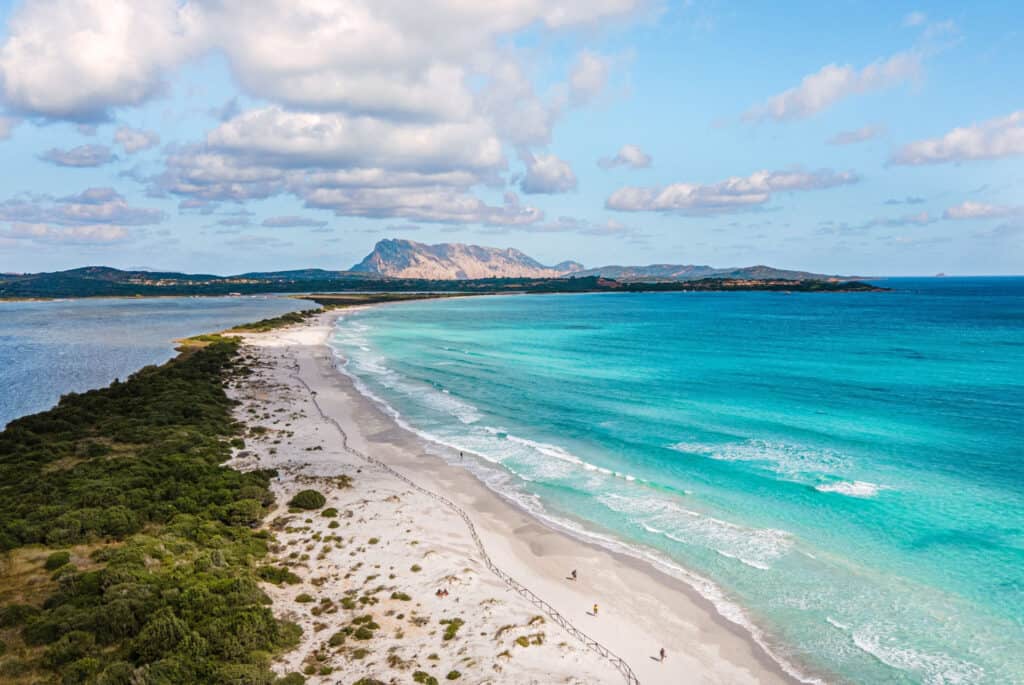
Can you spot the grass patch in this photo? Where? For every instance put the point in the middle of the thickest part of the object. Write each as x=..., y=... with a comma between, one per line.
x=451, y=627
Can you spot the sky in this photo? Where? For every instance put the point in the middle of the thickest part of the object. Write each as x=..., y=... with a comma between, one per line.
x=224, y=136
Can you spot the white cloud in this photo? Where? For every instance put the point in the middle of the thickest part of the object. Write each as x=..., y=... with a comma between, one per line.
x=439, y=205
x=75, y=59
x=588, y=77
x=546, y=174
x=833, y=83
x=81, y=156
x=629, y=156
x=859, y=135
x=313, y=139
x=95, y=215
x=992, y=139
x=734, y=194
x=510, y=101
x=981, y=210
x=134, y=140
x=75, y=235
x=372, y=108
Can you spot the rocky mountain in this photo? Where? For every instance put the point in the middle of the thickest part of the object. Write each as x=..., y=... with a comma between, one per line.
x=455, y=261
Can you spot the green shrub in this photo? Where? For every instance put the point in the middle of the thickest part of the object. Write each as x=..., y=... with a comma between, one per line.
x=179, y=603
x=415, y=568
x=16, y=614
x=401, y=596
x=452, y=626
x=291, y=679
x=453, y=675
x=424, y=677
x=369, y=681
x=330, y=512
x=14, y=668
x=56, y=560
x=277, y=575
x=307, y=499
x=304, y=598
x=70, y=647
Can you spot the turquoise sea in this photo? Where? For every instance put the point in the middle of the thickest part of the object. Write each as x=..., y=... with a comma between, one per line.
x=51, y=348
x=841, y=473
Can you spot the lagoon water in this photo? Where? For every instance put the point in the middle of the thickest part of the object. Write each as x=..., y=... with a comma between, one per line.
x=842, y=473
x=51, y=348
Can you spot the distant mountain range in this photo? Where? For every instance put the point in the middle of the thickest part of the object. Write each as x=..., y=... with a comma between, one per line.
x=403, y=265
x=456, y=261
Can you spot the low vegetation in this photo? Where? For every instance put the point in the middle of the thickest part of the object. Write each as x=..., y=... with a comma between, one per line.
x=128, y=553
x=264, y=325
x=308, y=499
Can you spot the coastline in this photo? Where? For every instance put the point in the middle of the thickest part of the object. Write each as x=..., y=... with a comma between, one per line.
x=643, y=608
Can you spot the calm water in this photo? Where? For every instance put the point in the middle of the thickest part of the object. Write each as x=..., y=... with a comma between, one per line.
x=51, y=348
x=846, y=468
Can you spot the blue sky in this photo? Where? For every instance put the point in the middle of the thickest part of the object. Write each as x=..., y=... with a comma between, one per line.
x=237, y=135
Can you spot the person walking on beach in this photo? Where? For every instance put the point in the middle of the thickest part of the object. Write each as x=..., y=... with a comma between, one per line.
x=595, y=610
x=573, y=574
x=661, y=655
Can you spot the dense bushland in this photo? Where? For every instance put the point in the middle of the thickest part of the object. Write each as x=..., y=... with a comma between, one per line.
x=116, y=505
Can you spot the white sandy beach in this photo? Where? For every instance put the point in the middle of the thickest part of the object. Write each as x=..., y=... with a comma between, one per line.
x=393, y=540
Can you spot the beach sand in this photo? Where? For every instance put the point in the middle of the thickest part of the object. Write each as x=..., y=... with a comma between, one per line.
x=393, y=544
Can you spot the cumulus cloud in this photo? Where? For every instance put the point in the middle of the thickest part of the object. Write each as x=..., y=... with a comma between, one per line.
x=859, y=135
x=546, y=174
x=993, y=139
x=134, y=140
x=93, y=215
x=271, y=134
x=354, y=166
x=81, y=156
x=734, y=194
x=981, y=210
x=588, y=77
x=628, y=156
x=293, y=222
x=77, y=59
x=432, y=204
x=833, y=83
x=367, y=112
